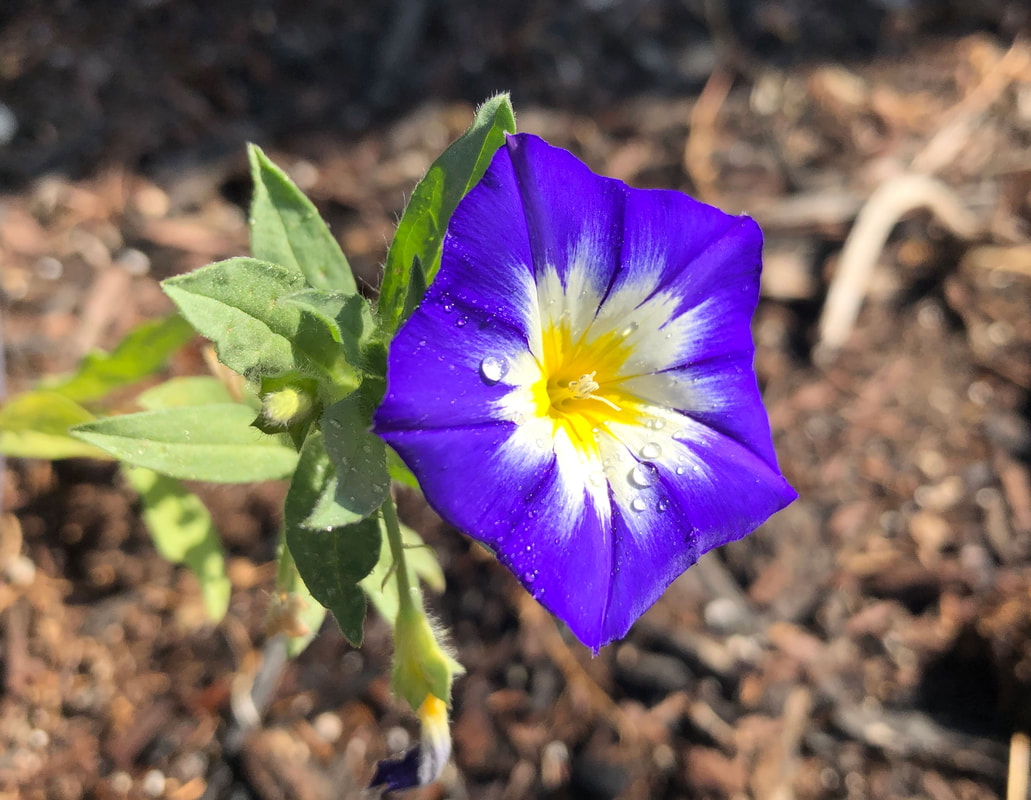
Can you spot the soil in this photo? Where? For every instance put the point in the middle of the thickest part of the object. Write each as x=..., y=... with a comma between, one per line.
x=872, y=640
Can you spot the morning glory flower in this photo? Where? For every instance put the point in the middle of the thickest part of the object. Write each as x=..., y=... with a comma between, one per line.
x=576, y=389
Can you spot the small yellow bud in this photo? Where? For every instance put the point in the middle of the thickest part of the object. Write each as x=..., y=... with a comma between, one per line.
x=286, y=406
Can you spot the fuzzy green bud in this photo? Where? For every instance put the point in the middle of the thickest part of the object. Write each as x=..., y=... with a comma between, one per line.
x=422, y=667
x=286, y=406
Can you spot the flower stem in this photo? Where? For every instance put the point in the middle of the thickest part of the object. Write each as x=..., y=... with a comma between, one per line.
x=397, y=552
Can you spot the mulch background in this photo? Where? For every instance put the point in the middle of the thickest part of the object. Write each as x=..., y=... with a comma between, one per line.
x=871, y=641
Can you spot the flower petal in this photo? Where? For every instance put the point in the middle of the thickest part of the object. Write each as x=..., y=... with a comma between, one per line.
x=527, y=498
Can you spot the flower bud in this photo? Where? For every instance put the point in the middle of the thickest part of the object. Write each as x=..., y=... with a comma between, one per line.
x=286, y=406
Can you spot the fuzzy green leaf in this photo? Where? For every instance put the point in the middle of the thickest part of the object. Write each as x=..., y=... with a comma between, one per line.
x=234, y=303
x=35, y=425
x=360, y=482
x=286, y=229
x=205, y=443
x=142, y=352
x=182, y=531
x=420, y=233
x=330, y=561
x=346, y=318
x=195, y=390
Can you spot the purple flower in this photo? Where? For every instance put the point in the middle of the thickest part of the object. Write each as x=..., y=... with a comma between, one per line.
x=576, y=389
x=423, y=763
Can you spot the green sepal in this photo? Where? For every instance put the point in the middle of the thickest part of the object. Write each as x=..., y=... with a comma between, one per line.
x=420, y=233
x=421, y=666
x=286, y=229
x=205, y=443
x=181, y=529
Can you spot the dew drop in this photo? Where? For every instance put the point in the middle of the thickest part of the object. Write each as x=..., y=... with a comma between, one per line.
x=637, y=504
x=529, y=548
x=651, y=450
x=682, y=435
x=529, y=577
x=680, y=470
x=518, y=419
x=493, y=369
x=597, y=478
x=659, y=424
x=539, y=443
x=643, y=475
x=446, y=304
x=662, y=505
x=461, y=321
x=629, y=329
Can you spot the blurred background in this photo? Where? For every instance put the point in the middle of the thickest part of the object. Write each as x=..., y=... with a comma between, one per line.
x=873, y=640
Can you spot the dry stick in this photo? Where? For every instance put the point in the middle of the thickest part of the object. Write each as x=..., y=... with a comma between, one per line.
x=560, y=654
x=901, y=194
x=1019, y=766
x=702, y=136
x=947, y=143
x=889, y=202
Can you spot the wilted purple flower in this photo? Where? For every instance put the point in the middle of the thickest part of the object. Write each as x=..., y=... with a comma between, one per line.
x=423, y=763
x=576, y=389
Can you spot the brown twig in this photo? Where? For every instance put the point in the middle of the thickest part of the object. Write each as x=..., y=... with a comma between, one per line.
x=536, y=619
x=702, y=138
x=887, y=205
x=1019, y=765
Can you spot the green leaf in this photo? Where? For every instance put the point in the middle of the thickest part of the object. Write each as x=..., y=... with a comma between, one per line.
x=420, y=233
x=416, y=288
x=286, y=229
x=330, y=561
x=238, y=304
x=205, y=443
x=197, y=390
x=303, y=614
x=399, y=470
x=182, y=531
x=35, y=425
x=234, y=304
x=346, y=318
x=360, y=482
x=142, y=352
x=380, y=585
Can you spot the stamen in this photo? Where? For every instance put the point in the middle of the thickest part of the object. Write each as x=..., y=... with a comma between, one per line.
x=583, y=388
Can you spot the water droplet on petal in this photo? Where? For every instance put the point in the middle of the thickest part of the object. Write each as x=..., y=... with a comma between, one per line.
x=683, y=435
x=659, y=424
x=629, y=329
x=461, y=321
x=680, y=470
x=643, y=474
x=493, y=369
x=597, y=478
x=637, y=504
x=529, y=576
x=651, y=450
x=662, y=505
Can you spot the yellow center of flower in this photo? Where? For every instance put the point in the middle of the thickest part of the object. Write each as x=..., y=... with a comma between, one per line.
x=579, y=388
